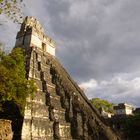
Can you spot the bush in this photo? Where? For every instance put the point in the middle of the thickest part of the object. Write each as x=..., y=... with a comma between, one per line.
x=14, y=85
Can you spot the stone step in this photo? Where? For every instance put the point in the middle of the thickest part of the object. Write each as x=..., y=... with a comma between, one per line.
x=36, y=110
x=39, y=65
x=34, y=73
x=67, y=138
x=50, y=87
x=40, y=97
x=33, y=64
x=40, y=75
x=38, y=84
x=47, y=76
x=51, y=90
x=64, y=130
x=49, y=83
x=44, y=86
x=42, y=128
x=38, y=128
x=43, y=138
x=42, y=59
x=37, y=74
x=40, y=111
x=55, y=101
x=59, y=114
x=45, y=68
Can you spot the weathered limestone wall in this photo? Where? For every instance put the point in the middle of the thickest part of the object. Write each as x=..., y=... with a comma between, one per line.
x=32, y=34
x=5, y=130
x=44, y=115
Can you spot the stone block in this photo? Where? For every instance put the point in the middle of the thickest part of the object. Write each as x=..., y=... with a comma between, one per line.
x=59, y=115
x=65, y=130
x=39, y=84
x=5, y=130
x=51, y=90
x=40, y=97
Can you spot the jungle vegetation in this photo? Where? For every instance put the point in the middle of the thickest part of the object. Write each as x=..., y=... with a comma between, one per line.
x=14, y=86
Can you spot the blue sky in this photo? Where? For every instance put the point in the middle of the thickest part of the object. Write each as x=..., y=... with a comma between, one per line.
x=98, y=42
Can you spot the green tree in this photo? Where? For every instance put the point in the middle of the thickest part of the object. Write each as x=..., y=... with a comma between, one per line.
x=99, y=103
x=132, y=127
x=13, y=83
x=12, y=9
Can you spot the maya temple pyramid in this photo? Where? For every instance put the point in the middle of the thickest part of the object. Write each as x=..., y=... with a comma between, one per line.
x=60, y=109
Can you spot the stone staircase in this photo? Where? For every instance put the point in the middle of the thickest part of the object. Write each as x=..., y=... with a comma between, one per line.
x=44, y=115
x=59, y=110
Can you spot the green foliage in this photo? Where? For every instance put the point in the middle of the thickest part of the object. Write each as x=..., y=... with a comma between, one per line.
x=13, y=83
x=132, y=126
x=12, y=9
x=99, y=103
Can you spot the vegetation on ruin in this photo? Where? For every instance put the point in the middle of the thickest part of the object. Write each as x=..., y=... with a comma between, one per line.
x=14, y=87
x=104, y=104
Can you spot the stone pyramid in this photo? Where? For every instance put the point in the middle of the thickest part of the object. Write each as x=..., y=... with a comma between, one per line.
x=60, y=109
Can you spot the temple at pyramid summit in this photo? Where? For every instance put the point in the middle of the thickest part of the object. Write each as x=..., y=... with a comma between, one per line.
x=60, y=109
x=32, y=35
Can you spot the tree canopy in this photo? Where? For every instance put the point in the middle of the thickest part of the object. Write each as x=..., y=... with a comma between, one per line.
x=12, y=9
x=13, y=83
x=132, y=127
x=99, y=103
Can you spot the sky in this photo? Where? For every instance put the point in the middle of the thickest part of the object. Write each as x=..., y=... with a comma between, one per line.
x=98, y=42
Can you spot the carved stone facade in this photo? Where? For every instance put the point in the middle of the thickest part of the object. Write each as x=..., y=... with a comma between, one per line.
x=60, y=110
x=32, y=34
x=5, y=130
x=123, y=109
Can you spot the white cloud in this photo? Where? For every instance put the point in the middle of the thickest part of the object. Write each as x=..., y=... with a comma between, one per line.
x=89, y=84
x=118, y=89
